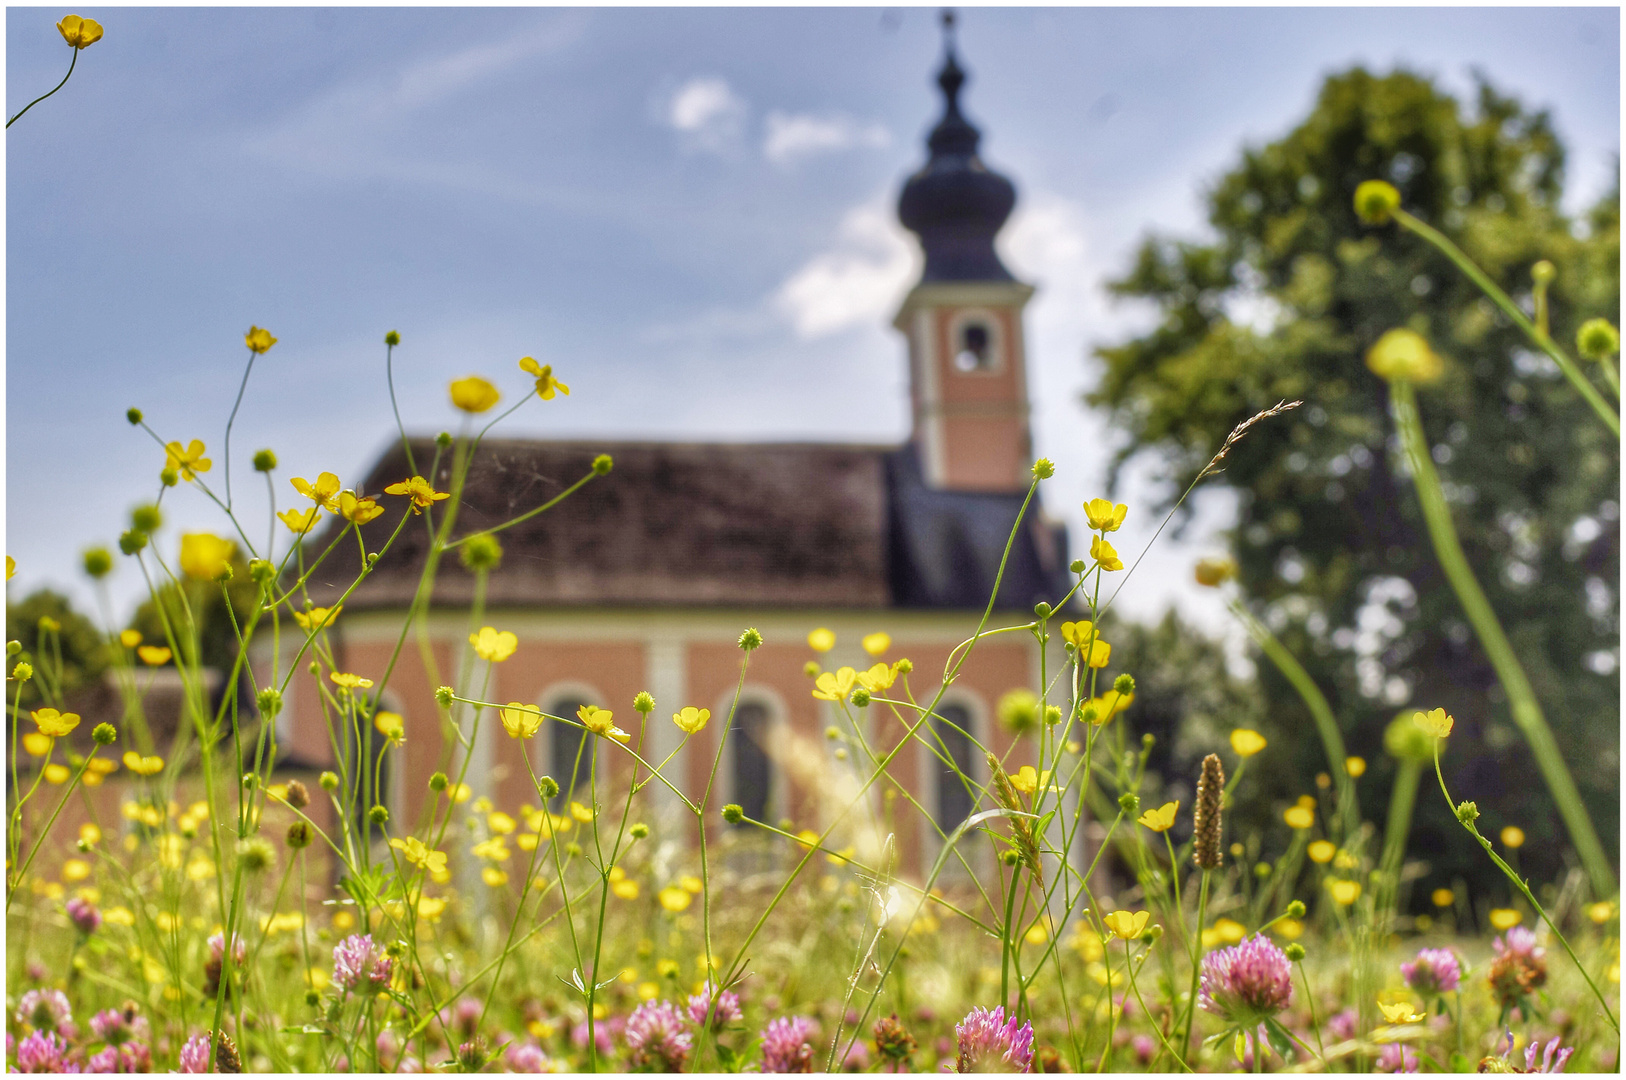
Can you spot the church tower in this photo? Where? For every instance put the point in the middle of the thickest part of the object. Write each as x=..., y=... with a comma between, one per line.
x=963, y=319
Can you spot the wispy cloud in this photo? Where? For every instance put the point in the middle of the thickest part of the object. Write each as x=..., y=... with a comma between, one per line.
x=794, y=136
x=708, y=112
x=855, y=282
x=366, y=126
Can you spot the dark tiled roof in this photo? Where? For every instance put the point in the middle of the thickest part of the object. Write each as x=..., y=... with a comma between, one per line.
x=685, y=525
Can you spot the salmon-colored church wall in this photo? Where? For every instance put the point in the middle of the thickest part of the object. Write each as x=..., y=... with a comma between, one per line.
x=614, y=670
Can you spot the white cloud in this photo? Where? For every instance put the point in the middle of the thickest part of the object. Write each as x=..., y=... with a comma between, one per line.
x=857, y=281
x=707, y=110
x=800, y=135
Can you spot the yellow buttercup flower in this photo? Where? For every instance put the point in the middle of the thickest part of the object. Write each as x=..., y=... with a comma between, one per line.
x=1402, y=1012
x=349, y=681
x=1322, y=851
x=299, y=522
x=187, y=460
x=1601, y=912
x=57, y=774
x=1082, y=635
x=878, y=678
x=129, y=638
x=1104, y=554
x=1505, y=918
x=53, y=723
x=258, y=339
x=1355, y=767
x=206, y=556
x=317, y=617
x=1161, y=819
x=418, y=853
x=154, y=655
x=581, y=813
x=1127, y=925
x=78, y=32
x=474, y=394
x=691, y=719
x=1104, y=516
x=597, y=721
x=1435, y=722
x=821, y=640
x=1230, y=931
x=1247, y=743
x=493, y=644
x=1403, y=354
x=1108, y=705
x=11, y=568
x=876, y=644
x=391, y=725
x=1025, y=779
x=493, y=877
x=546, y=384
x=1443, y=897
x=37, y=744
x=520, y=720
x=323, y=493
x=420, y=491
x=1513, y=836
x=835, y=685
x=626, y=889
x=495, y=849
x=1307, y=801
x=1215, y=570
x=358, y=508
x=1299, y=817
x=1288, y=929
x=143, y=766
x=1345, y=892
x=674, y=899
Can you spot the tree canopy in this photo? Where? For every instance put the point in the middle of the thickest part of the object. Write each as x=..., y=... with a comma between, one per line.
x=1282, y=301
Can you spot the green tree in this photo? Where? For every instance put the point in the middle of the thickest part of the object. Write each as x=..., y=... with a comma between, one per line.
x=84, y=653
x=1282, y=302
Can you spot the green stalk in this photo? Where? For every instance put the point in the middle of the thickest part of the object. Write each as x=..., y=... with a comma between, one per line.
x=1196, y=966
x=1466, y=813
x=1326, y=723
x=1397, y=829
x=1571, y=372
x=1526, y=710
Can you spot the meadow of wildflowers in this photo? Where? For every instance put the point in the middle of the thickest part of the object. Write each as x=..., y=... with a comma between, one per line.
x=231, y=919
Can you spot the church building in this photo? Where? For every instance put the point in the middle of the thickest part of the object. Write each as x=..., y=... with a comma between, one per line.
x=645, y=578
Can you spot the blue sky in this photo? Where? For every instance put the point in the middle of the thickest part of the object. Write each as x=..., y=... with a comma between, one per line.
x=688, y=212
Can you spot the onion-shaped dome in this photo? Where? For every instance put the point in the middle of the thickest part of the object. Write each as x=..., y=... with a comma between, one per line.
x=955, y=203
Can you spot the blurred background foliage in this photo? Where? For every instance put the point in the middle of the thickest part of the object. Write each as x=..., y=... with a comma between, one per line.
x=1282, y=301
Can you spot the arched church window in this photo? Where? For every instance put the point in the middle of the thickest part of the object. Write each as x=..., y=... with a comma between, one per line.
x=955, y=793
x=569, y=762
x=975, y=349
x=753, y=768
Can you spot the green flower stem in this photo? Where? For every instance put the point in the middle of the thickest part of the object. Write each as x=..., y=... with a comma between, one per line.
x=1527, y=712
x=1395, y=832
x=1518, y=883
x=1129, y=967
x=1326, y=723
x=1571, y=372
x=49, y=92
x=1607, y=366
x=1196, y=966
x=1309, y=999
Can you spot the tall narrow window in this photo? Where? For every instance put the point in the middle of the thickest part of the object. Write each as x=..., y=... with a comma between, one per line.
x=975, y=350
x=954, y=794
x=569, y=761
x=753, y=769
